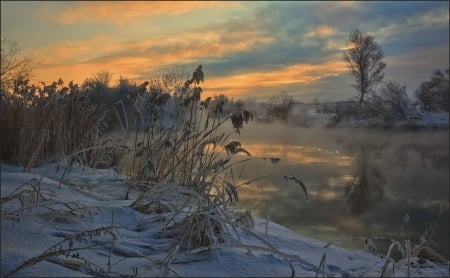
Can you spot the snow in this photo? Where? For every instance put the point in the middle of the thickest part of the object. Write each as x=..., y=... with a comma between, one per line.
x=437, y=120
x=91, y=203
x=417, y=118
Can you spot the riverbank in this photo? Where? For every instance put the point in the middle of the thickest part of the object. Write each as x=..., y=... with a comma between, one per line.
x=78, y=223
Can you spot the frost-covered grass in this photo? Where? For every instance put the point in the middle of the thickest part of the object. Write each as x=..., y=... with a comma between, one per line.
x=162, y=205
x=44, y=123
x=86, y=228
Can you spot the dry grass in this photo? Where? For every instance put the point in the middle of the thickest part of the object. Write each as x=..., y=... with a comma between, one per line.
x=42, y=124
x=183, y=168
x=321, y=265
x=299, y=182
x=31, y=198
x=66, y=248
x=402, y=243
x=185, y=171
x=25, y=198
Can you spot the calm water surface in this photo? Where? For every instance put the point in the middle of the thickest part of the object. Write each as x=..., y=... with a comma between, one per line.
x=393, y=173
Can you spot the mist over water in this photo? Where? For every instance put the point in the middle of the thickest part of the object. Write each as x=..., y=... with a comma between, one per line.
x=394, y=173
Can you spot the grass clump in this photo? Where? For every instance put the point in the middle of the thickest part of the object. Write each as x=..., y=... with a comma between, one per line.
x=184, y=170
x=175, y=151
x=183, y=166
x=45, y=123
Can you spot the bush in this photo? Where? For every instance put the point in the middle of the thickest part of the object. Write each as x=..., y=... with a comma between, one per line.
x=346, y=110
x=433, y=95
x=390, y=103
x=280, y=105
x=45, y=123
x=189, y=160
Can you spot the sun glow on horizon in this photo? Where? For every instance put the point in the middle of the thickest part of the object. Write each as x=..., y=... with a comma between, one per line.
x=246, y=48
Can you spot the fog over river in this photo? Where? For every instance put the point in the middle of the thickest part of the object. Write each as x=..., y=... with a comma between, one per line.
x=361, y=182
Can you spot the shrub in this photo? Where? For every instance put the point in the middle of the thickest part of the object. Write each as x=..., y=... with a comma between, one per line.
x=280, y=105
x=391, y=102
x=183, y=167
x=433, y=95
x=346, y=110
x=45, y=123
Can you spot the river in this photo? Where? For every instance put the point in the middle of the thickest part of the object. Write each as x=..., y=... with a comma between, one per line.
x=361, y=182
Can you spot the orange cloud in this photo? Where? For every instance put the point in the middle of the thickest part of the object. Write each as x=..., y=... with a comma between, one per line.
x=238, y=84
x=137, y=66
x=70, y=52
x=130, y=67
x=136, y=57
x=121, y=13
x=76, y=72
x=347, y=5
x=337, y=45
x=322, y=31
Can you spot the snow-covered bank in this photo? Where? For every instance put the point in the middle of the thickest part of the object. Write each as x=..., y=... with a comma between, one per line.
x=424, y=120
x=85, y=227
x=420, y=119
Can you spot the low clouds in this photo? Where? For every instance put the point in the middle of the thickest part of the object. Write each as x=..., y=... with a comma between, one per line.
x=145, y=57
x=122, y=13
x=241, y=83
x=321, y=31
x=246, y=47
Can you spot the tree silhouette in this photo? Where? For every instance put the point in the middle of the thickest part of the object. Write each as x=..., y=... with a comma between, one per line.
x=366, y=189
x=434, y=94
x=364, y=59
x=14, y=66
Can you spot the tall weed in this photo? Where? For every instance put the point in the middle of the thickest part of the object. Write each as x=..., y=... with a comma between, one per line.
x=43, y=124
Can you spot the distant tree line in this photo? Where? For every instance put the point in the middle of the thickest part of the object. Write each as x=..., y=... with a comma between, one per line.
x=364, y=58
x=433, y=95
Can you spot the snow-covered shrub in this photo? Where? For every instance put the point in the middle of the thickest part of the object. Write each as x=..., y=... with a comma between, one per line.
x=279, y=106
x=346, y=110
x=433, y=95
x=45, y=123
x=390, y=103
x=184, y=167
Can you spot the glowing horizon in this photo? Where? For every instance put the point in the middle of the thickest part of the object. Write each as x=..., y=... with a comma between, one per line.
x=247, y=49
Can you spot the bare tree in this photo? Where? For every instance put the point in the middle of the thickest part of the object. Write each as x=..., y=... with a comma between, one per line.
x=13, y=66
x=364, y=59
x=395, y=98
x=100, y=80
x=434, y=94
x=391, y=102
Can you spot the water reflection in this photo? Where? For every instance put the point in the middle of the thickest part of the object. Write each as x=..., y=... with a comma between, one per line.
x=366, y=189
x=394, y=174
x=299, y=154
x=340, y=181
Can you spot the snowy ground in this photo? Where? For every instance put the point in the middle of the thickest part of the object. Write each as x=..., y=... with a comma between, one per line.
x=421, y=120
x=417, y=119
x=86, y=228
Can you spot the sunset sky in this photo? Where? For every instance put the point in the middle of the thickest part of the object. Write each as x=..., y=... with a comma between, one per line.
x=247, y=49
